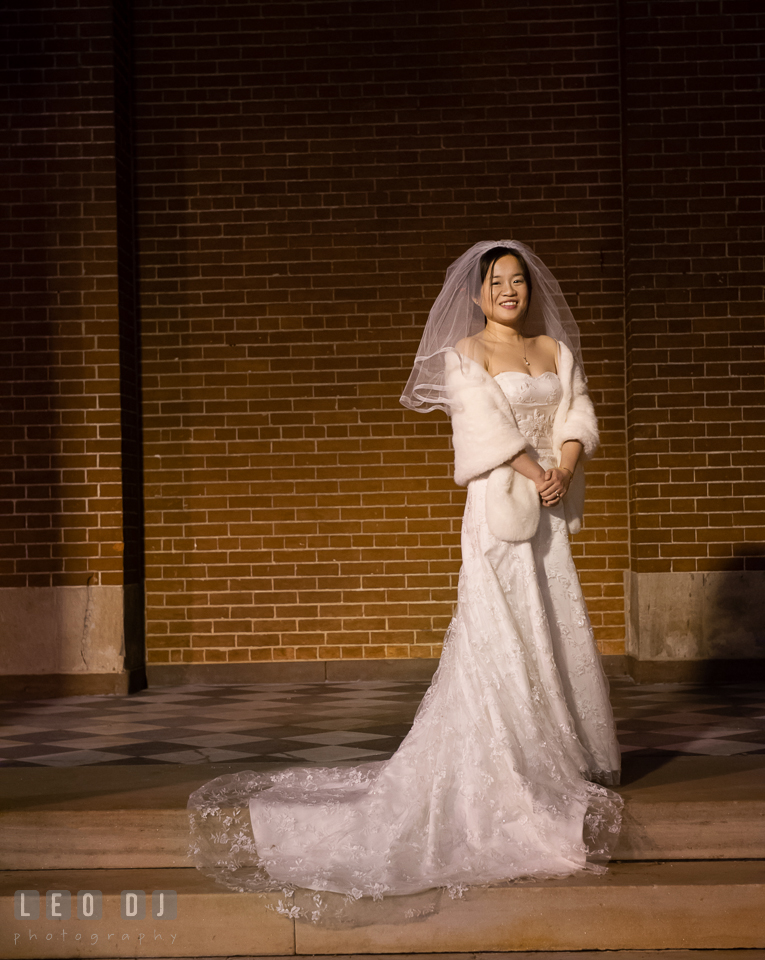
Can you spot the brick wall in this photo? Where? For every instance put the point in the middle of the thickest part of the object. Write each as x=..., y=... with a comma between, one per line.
x=695, y=258
x=61, y=520
x=306, y=173
x=285, y=186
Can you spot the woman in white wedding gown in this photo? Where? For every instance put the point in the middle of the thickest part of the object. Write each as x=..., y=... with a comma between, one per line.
x=502, y=774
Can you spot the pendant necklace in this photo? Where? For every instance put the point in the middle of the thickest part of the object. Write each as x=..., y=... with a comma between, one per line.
x=523, y=340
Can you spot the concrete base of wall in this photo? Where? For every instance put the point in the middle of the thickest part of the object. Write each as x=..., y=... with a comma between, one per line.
x=313, y=671
x=52, y=630
x=303, y=671
x=71, y=641
x=696, y=627
x=711, y=672
x=713, y=616
x=46, y=686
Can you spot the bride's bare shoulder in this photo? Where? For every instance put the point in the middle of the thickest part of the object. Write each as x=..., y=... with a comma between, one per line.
x=548, y=347
x=472, y=347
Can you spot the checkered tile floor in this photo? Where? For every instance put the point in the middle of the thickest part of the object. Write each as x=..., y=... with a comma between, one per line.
x=330, y=722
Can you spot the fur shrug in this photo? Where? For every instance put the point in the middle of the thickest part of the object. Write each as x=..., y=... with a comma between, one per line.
x=486, y=437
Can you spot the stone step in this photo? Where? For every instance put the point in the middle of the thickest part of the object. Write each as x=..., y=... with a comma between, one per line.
x=687, y=808
x=635, y=906
x=555, y=955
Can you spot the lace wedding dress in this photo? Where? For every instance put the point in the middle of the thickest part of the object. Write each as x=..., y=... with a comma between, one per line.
x=493, y=782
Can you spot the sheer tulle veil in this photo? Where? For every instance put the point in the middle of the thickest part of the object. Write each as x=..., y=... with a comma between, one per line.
x=456, y=314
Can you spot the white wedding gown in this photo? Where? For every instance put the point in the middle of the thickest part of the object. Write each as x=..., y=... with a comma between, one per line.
x=492, y=783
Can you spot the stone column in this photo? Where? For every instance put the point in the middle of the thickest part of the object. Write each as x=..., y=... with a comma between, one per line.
x=71, y=574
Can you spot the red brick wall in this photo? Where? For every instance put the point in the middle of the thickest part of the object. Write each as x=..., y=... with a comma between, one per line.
x=306, y=173
x=60, y=480
x=695, y=258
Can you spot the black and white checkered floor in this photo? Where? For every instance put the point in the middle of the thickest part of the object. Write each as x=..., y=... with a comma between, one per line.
x=331, y=722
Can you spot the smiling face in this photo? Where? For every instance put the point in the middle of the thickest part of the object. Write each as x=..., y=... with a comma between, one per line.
x=505, y=293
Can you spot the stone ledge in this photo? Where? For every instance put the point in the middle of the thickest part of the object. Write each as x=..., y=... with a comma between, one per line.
x=676, y=808
x=638, y=906
x=633, y=906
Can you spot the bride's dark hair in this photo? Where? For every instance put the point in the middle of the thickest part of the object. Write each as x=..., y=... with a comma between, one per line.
x=489, y=258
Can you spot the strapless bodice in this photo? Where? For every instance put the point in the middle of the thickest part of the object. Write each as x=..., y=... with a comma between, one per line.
x=534, y=401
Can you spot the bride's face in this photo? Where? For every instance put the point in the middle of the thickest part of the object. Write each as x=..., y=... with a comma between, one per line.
x=505, y=293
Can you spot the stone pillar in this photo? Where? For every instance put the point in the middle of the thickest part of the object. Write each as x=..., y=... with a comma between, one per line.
x=704, y=627
x=71, y=558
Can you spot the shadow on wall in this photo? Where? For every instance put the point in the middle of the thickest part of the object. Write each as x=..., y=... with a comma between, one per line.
x=705, y=627
x=733, y=607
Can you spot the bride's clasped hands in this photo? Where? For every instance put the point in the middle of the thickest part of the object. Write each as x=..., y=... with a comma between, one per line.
x=553, y=486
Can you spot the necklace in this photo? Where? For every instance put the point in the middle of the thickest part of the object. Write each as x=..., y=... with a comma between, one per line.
x=523, y=341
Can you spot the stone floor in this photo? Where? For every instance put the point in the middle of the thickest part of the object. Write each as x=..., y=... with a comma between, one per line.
x=335, y=722
x=96, y=792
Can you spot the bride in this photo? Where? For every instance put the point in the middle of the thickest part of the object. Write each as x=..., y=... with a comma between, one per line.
x=505, y=772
